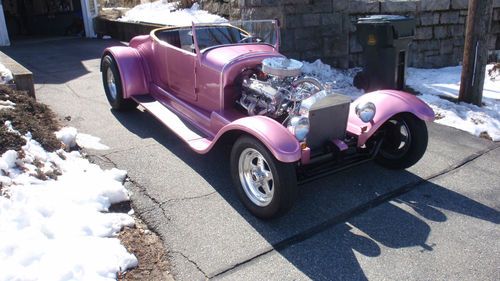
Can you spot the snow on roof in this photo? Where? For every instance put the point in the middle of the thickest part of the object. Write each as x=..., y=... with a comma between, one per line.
x=162, y=12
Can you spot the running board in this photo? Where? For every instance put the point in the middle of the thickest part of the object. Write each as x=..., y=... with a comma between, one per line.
x=180, y=127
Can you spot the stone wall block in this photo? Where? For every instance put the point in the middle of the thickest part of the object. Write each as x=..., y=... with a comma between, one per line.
x=495, y=28
x=427, y=45
x=311, y=19
x=322, y=6
x=292, y=1
x=328, y=30
x=457, y=30
x=336, y=46
x=293, y=21
x=450, y=17
x=496, y=14
x=459, y=41
x=307, y=33
x=298, y=9
x=312, y=55
x=458, y=55
x=446, y=46
x=287, y=40
x=459, y=4
x=441, y=31
x=434, y=5
x=364, y=7
x=492, y=40
x=306, y=44
x=332, y=19
x=395, y=6
x=423, y=33
x=253, y=3
x=340, y=5
x=429, y=19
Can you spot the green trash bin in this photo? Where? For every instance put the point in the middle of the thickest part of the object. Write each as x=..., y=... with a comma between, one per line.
x=385, y=40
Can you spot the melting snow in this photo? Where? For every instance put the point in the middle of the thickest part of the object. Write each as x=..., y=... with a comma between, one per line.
x=6, y=104
x=162, y=12
x=70, y=137
x=431, y=83
x=5, y=74
x=60, y=229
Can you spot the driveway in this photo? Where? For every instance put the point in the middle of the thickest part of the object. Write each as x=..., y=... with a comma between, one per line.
x=437, y=220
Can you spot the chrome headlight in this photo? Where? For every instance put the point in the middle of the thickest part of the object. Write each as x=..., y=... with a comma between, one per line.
x=366, y=111
x=299, y=126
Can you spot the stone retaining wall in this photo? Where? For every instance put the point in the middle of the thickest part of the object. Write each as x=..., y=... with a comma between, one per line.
x=325, y=29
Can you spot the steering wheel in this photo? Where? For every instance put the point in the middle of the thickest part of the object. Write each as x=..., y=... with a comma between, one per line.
x=251, y=39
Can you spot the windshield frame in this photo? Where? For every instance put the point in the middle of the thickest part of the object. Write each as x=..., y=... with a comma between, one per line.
x=274, y=23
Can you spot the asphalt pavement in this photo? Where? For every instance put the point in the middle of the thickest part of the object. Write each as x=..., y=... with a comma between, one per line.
x=438, y=220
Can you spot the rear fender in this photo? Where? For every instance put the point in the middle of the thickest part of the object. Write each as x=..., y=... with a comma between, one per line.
x=131, y=70
x=388, y=104
x=280, y=142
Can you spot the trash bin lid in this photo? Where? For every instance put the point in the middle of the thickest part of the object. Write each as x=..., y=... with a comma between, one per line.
x=382, y=19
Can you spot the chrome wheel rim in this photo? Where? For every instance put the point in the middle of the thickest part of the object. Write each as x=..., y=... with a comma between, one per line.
x=256, y=177
x=111, y=83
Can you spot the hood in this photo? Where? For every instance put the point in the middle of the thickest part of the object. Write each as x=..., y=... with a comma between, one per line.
x=218, y=57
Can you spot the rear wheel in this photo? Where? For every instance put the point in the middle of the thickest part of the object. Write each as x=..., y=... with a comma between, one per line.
x=266, y=186
x=113, y=85
x=405, y=141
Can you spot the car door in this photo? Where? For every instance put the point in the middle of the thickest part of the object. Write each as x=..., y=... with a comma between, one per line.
x=181, y=64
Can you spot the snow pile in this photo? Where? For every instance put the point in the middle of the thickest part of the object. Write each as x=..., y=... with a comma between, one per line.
x=60, y=229
x=70, y=137
x=341, y=79
x=6, y=104
x=433, y=83
x=162, y=12
x=5, y=75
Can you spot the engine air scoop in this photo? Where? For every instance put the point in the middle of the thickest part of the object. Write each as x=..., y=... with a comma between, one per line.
x=282, y=67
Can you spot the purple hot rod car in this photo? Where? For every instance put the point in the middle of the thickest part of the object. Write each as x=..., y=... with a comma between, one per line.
x=228, y=81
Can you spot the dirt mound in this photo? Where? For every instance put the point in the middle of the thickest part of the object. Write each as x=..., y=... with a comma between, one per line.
x=27, y=116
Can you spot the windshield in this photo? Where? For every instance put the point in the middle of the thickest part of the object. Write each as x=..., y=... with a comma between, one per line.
x=236, y=32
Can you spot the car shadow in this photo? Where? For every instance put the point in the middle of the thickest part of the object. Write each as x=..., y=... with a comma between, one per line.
x=335, y=218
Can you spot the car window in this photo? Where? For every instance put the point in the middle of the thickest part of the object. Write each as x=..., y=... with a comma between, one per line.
x=209, y=36
x=180, y=38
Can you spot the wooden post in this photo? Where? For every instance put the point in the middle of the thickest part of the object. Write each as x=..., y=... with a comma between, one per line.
x=475, y=51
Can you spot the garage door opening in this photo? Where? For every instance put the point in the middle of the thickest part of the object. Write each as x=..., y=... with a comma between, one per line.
x=27, y=19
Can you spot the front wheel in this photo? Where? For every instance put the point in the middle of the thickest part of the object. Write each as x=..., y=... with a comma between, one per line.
x=113, y=85
x=404, y=142
x=266, y=186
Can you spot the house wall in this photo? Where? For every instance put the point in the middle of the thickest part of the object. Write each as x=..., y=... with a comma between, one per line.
x=325, y=29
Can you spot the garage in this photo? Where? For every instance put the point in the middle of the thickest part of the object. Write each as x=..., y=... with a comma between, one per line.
x=31, y=19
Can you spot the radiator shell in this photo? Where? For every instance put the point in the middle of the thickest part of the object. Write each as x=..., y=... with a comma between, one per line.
x=328, y=120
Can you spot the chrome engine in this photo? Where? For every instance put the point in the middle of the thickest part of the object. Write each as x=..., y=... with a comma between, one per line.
x=278, y=90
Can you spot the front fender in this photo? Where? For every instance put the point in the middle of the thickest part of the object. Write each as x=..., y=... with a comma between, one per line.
x=280, y=142
x=131, y=70
x=388, y=104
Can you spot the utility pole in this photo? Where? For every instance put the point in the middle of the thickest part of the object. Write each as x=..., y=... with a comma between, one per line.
x=475, y=51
